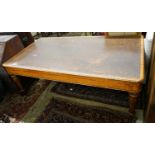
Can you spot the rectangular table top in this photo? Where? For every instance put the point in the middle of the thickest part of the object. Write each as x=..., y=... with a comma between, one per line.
x=85, y=56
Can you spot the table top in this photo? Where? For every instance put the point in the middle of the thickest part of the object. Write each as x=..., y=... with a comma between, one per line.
x=91, y=56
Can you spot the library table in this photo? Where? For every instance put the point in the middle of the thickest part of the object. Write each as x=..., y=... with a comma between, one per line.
x=87, y=60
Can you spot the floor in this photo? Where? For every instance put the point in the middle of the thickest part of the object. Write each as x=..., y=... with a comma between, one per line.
x=27, y=108
x=37, y=109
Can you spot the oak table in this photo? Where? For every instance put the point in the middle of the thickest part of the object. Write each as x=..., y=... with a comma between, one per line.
x=87, y=60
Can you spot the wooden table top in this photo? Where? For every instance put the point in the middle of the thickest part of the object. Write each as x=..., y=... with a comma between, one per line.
x=90, y=56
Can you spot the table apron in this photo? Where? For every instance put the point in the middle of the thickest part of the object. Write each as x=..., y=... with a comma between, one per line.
x=129, y=86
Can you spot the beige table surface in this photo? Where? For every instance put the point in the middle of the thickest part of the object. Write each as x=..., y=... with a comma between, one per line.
x=92, y=57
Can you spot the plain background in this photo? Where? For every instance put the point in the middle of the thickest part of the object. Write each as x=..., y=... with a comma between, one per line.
x=77, y=16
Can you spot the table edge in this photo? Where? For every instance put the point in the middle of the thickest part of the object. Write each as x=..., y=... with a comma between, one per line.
x=126, y=85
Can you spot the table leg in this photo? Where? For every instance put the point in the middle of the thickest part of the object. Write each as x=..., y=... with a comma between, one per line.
x=18, y=83
x=133, y=99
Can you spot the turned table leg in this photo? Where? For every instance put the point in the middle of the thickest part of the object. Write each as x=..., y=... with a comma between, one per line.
x=133, y=99
x=18, y=83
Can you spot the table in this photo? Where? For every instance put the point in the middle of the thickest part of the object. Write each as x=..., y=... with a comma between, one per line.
x=87, y=60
